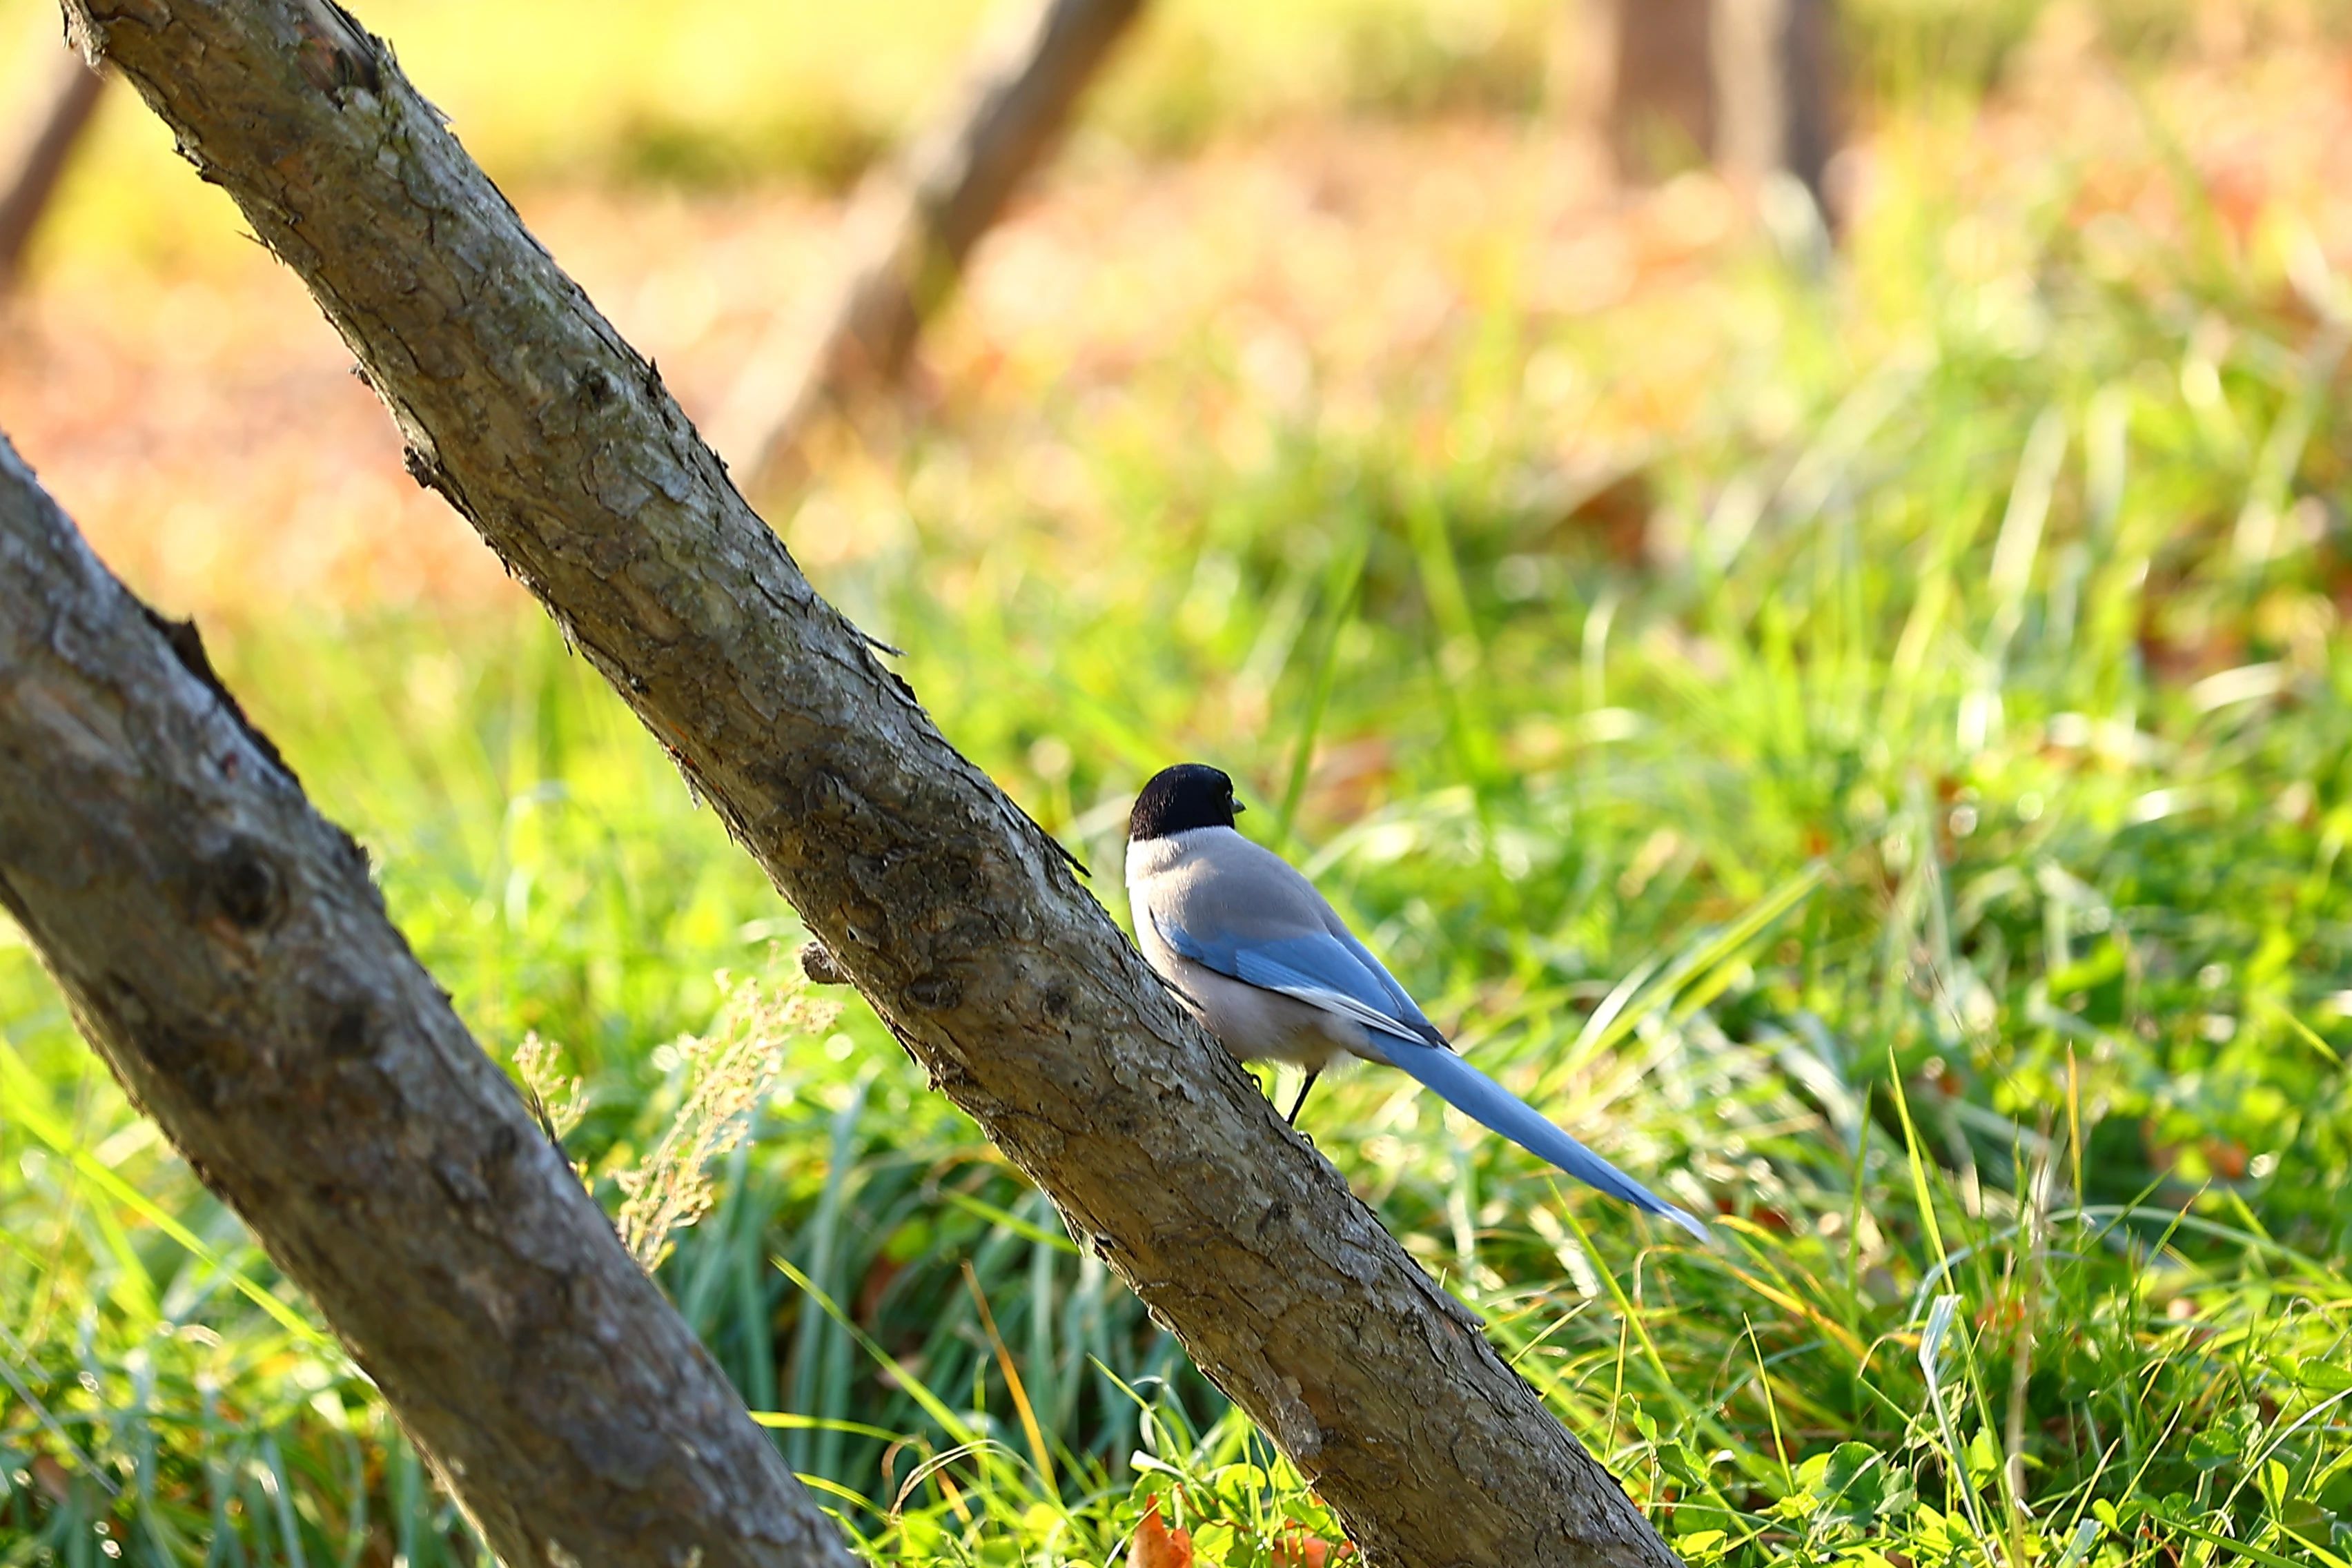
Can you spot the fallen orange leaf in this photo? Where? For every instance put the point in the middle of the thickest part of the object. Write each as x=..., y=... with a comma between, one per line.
x=1156, y=1546
x=1294, y=1548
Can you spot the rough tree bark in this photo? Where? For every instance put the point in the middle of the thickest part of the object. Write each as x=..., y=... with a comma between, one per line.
x=223, y=946
x=39, y=162
x=913, y=226
x=958, y=919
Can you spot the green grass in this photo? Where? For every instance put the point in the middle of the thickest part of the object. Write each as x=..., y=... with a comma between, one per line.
x=1926, y=851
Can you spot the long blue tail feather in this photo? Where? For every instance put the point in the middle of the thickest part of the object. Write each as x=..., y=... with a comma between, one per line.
x=1484, y=1101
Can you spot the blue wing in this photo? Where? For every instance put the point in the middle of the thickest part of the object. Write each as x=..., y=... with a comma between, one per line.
x=1318, y=968
x=1339, y=973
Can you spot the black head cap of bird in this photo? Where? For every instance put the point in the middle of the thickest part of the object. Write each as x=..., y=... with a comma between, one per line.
x=1190, y=795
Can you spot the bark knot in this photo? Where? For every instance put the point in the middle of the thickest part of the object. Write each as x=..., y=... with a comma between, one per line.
x=594, y=388
x=347, y=1032
x=827, y=796
x=245, y=888
x=935, y=991
x=336, y=54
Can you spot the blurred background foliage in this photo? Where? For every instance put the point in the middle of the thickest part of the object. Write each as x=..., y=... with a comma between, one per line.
x=1861, y=736
x=703, y=95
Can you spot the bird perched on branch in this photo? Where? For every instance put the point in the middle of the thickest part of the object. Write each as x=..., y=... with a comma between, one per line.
x=1277, y=975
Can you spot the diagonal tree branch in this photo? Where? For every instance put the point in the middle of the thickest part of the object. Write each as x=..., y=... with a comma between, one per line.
x=955, y=916
x=50, y=137
x=913, y=225
x=222, y=945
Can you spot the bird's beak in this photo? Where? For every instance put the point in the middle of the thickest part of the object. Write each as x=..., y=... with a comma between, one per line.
x=1238, y=806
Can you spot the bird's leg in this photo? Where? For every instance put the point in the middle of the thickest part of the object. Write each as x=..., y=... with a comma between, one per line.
x=1300, y=1103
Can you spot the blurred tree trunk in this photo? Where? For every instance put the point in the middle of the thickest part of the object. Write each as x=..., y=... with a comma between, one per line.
x=913, y=226
x=1660, y=83
x=1749, y=83
x=223, y=946
x=954, y=913
x=1777, y=91
x=30, y=176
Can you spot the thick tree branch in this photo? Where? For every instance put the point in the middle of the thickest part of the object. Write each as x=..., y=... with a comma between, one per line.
x=913, y=225
x=956, y=917
x=222, y=945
